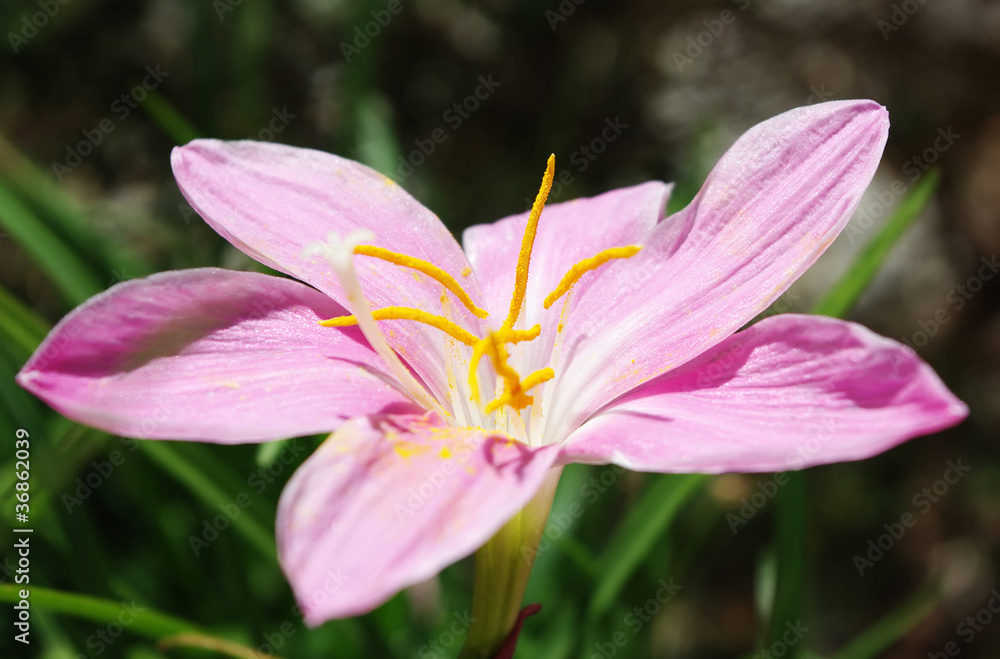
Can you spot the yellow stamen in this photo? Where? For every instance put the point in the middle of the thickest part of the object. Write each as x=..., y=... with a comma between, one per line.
x=515, y=393
x=586, y=266
x=429, y=269
x=406, y=313
x=527, y=242
x=538, y=377
x=490, y=343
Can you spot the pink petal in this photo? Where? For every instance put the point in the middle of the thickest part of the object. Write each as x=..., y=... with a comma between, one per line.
x=771, y=206
x=567, y=233
x=271, y=201
x=211, y=355
x=387, y=502
x=789, y=392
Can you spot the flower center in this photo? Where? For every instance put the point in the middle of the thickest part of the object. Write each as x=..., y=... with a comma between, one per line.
x=514, y=392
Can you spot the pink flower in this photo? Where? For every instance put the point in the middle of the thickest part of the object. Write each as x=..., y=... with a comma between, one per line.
x=453, y=406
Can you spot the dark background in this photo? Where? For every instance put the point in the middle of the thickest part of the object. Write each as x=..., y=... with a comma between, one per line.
x=682, y=80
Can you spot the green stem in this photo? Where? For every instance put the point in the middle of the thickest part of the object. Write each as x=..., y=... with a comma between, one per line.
x=503, y=566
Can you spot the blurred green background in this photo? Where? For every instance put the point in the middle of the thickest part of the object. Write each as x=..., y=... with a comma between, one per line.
x=95, y=93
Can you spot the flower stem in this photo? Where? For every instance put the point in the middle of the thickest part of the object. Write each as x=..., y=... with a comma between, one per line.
x=503, y=566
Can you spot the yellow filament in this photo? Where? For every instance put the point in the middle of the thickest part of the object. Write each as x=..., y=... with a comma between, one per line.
x=515, y=393
x=538, y=377
x=406, y=313
x=527, y=242
x=586, y=266
x=500, y=337
x=429, y=269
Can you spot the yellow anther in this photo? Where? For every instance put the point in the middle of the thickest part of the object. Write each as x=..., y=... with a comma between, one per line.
x=586, y=266
x=429, y=269
x=527, y=242
x=538, y=377
x=406, y=313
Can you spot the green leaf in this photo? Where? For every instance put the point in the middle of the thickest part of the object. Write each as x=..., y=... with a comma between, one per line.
x=169, y=119
x=63, y=214
x=790, y=558
x=149, y=622
x=887, y=631
x=268, y=452
x=841, y=297
x=69, y=273
x=170, y=631
x=635, y=538
x=22, y=330
x=377, y=145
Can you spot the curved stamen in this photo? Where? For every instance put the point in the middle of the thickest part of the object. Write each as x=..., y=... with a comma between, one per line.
x=527, y=242
x=408, y=313
x=340, y=255
x=585, y=266
x=488, y=345
x=429, y=269
x=538, y=377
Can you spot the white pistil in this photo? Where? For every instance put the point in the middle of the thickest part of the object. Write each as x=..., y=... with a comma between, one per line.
x=340, y=255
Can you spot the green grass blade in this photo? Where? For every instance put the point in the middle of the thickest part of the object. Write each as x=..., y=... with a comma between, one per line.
x=64, y=214
x=645, y=523
x=887, y=631
x=791, y=503
x=147, y=622
x=268, y=452
x=69, y=273
x=841, y=297
x=169, y=119
x=790, y=558
x=36, y=186
x=20, y=328
x=171, y=632
x=377, y=145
